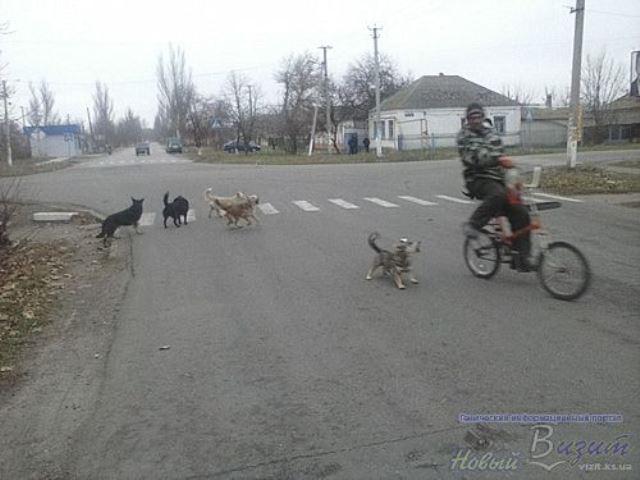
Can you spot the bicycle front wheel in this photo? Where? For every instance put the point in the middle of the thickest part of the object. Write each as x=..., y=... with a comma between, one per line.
x=482, y=255
x=564, y=271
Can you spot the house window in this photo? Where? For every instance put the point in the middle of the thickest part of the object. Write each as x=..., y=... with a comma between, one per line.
x=499, y=123
x=408, y=114
x=390, y=129
x=381, y=131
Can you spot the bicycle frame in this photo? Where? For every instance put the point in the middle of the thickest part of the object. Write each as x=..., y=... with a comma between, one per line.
x=501, y=230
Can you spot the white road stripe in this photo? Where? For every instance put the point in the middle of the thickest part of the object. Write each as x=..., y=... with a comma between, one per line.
x=267, y=209
x=191, y=215
x=382, y=203
x=453, y=199
x=531, y=199
x=147, y=219
x=558, y=197
x=419, y=201
x=306, y=206
x=341, y=203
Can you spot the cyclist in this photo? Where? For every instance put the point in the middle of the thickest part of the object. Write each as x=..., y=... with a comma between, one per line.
x=484, y=164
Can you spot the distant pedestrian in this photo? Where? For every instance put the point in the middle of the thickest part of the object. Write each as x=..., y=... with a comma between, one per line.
x=366, y=144
x=353, y=145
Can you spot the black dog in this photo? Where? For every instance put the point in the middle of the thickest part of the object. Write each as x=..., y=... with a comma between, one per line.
x=176, y=209
x=130, y=216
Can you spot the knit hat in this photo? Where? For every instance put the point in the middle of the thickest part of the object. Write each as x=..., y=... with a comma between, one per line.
x=474, y=108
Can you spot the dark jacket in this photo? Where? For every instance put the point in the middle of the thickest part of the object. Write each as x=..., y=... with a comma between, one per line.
x=479, y=152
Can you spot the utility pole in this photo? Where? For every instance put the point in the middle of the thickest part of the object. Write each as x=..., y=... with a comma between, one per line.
x=326, y=96
x=93, y=142
x=7, y=129
x=377, y=74
x=572, y=131
x=250, y=117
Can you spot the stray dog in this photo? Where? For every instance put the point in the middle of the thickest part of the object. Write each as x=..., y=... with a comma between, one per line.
x=130, y=216
x=395, y=262
x=242, y=210
x=176, y=209
x=219, y=204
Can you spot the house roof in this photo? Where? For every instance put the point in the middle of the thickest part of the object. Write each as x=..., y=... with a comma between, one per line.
x=544, y=113
x=443, y=91
x=54, y=129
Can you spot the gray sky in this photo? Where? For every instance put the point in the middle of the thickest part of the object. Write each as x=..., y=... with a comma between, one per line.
x=495, y=43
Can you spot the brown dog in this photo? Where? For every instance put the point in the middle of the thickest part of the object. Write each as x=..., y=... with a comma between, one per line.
x=242, y=210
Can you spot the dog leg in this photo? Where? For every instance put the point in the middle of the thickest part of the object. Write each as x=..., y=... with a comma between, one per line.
x=397, y=276
x=137, y=229
x=413, y=279
x=372, y=270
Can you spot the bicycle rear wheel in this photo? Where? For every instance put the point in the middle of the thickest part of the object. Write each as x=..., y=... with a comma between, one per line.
x=564, y=271
x=482, y=255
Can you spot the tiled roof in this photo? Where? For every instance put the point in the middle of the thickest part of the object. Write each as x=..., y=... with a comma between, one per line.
x=443, y=91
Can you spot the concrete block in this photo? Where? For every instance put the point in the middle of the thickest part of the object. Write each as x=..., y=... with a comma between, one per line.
x=53, y=216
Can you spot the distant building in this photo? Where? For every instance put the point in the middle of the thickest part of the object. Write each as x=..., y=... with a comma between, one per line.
x=54, y=140
x=429, y=112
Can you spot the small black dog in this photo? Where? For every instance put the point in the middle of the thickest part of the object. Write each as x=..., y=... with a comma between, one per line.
x=176, y=209
x=130, y=216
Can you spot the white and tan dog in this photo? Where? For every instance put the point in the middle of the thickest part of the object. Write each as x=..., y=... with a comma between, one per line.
x=235, y=207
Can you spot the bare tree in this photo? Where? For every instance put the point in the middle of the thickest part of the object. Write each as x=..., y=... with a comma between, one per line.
x=128, y=129
x=299, y=76
x=603, y=80
x=103, y=113
x=518, y=94
x=243, y=100
x=357, y=87
x=175, y=89
x=41, y=105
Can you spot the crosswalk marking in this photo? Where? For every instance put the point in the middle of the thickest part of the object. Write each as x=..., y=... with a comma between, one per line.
x=147, y=219
x=382, y=203
x=342, y=203
x=453, y=199
x=191, y=215
x=306, y=206
x=419, y=201
x=267, y=209
x=557, y=197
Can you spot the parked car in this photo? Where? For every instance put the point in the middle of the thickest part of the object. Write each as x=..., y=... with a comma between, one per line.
x=233, y=146
x=174, y=145
x=143, y=148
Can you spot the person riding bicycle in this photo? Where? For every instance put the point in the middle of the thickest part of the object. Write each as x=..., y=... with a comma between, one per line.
x=484, y=164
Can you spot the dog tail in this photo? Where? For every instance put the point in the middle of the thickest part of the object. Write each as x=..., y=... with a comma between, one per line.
x=372, y=241
x=165, y=199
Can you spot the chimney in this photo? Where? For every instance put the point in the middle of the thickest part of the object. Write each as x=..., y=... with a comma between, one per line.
x=548, y=103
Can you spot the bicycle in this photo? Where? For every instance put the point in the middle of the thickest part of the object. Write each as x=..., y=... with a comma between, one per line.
x=562, y=269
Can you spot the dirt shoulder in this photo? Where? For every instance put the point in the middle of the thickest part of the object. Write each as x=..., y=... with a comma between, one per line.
x=59, y=298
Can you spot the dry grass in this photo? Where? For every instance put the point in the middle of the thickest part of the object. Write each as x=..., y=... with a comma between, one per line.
x=29, y=167
x=584, y=180
x=31, y=277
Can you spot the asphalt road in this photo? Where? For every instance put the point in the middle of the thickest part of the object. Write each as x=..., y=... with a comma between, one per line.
x=285, y=363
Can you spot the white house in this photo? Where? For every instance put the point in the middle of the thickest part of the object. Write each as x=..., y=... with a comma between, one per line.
x=429, y=113
x=54, y=140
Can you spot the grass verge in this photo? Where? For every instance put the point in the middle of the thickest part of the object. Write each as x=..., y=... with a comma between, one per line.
x=31, y=277
x=29, y=167
x=588, y=179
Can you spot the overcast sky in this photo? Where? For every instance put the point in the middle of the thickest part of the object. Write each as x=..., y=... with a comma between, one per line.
x=71, y=44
